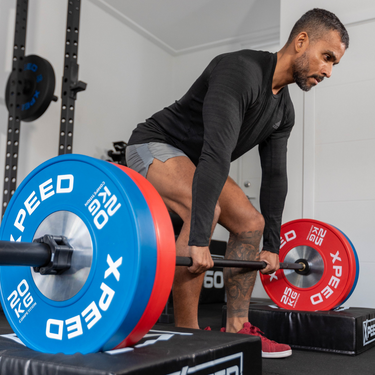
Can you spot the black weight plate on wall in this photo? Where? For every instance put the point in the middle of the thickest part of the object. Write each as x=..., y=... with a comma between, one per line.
x=36, y=89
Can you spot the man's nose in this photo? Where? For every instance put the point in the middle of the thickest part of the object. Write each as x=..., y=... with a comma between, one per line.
x=327, y=71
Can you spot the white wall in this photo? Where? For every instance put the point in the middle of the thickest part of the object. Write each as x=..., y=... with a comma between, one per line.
x=128, y=78
x=338, y=137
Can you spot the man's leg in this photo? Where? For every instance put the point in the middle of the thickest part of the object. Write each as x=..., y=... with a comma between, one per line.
x=245, y=225
x=173, y=180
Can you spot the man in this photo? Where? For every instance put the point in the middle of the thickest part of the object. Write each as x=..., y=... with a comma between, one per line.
x=241, y=100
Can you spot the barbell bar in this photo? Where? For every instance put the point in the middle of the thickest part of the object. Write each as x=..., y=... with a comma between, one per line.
x=116, y=272
x=39, y=254
x=31, y=254
x=252, y=265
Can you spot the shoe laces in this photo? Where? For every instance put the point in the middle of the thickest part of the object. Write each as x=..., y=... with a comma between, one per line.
x=256, y=332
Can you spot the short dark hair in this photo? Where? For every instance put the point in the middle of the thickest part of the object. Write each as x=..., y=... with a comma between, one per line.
x=316, y=22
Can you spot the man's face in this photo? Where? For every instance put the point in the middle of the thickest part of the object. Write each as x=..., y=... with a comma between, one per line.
x=317, y=61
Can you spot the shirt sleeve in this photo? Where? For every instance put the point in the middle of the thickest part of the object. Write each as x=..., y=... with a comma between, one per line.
x=274, y=186
x=224, y=108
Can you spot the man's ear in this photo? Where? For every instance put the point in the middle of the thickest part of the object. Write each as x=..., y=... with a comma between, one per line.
x=301, y=42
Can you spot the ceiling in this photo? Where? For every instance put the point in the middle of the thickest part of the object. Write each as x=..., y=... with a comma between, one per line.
x=183, y=26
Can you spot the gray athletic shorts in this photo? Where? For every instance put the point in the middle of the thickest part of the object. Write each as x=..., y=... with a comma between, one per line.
x=140, y=157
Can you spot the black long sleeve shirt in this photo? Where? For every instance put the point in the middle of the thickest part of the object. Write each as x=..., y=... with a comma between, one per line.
x=227, y=111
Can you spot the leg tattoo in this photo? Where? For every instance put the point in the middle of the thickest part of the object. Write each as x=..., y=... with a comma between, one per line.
x=239, y=282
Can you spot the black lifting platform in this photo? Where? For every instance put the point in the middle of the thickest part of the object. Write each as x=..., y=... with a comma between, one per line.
x=164, y=350
x=349, y=331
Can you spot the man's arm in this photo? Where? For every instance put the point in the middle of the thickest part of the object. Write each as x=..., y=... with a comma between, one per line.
x=273, y=192
x=224, y=107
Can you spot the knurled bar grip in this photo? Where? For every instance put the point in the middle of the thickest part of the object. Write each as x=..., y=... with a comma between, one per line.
x=255, y=265
x=14, y=122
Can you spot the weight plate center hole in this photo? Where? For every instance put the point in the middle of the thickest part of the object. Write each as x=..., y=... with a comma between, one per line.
x=28, y=87
x=68, y=284
x=314, y=266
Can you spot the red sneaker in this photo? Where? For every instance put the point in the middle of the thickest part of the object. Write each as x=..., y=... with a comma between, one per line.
x=270, y=349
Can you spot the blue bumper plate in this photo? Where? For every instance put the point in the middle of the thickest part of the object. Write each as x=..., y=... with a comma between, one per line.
x=54, y=314
x=357, y=266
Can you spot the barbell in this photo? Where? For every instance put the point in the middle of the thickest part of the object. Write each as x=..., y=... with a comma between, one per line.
x=88, y=258
x=46, y=253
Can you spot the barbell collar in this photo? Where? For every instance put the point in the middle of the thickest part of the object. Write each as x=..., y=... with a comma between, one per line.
x=61, y=255
x=254, y=265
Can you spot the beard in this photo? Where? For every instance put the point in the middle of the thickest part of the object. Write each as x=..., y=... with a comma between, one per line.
x=301, y=69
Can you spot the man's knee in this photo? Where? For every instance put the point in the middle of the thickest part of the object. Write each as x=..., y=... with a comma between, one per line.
x=250, y=221
x=217, y=212
x=185, y=210
x=258, y=221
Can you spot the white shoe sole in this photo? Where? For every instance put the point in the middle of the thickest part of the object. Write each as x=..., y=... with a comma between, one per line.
x=284, y=354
